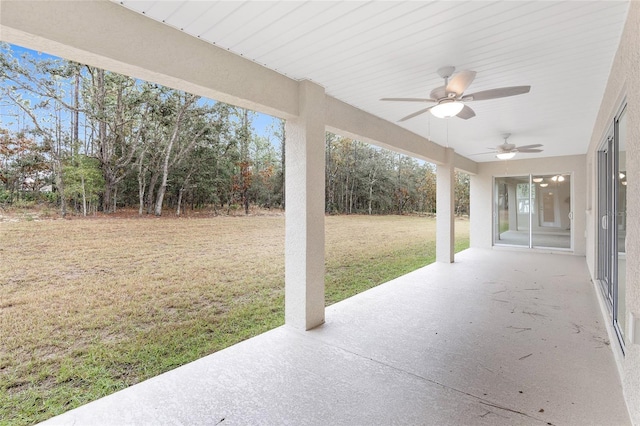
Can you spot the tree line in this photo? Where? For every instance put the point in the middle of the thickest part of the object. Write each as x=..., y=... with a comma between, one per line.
x=91, y=140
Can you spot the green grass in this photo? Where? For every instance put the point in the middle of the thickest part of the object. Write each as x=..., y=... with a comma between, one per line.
x=116, y=301
x=349, y=280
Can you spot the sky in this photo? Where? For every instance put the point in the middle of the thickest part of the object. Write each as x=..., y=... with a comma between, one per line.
x=261, y=123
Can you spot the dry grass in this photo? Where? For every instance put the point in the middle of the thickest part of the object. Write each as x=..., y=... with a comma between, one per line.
x=90, y=306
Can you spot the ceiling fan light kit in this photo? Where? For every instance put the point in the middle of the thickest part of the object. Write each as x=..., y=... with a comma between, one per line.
x=447, y=108
x=506, y=155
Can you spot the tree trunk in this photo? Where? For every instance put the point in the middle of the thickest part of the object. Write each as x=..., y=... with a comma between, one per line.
x=57, y=171
x=142, y=175
x=58, y=167
x=185, y=183
x=99, y=96
x=161, y=191
x=179, y=201
x=150, y=192
x=372, y=181
x=76, y=110
x=328, y=199
x=108, y=195
x=172, y=141
x=165, y=174
x=165, y=170
x=141, y=184
x=282, y=156
x=244, y=163
x=84, y=197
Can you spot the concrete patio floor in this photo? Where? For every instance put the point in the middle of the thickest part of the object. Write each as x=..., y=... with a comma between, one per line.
x=497, y=338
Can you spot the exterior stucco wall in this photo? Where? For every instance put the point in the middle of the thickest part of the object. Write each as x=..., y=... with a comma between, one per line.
x=623, y=85
x=482, y=193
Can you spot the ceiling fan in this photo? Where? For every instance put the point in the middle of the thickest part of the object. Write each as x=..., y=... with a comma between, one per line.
x=450, y=99
x=506, y=150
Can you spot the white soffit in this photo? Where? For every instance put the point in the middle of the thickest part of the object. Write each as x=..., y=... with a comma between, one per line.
x=363, y=51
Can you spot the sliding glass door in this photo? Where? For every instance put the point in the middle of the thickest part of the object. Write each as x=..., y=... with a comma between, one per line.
x=612, y=224
x=533, y=211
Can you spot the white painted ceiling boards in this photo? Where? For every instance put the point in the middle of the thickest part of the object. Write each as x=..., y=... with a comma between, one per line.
x=363, y=51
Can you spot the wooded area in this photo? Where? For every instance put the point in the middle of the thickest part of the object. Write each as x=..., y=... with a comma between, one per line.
x=91, y=140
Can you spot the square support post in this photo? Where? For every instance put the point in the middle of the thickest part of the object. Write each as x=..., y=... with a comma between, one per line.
x=304, y=215
x=445, y=196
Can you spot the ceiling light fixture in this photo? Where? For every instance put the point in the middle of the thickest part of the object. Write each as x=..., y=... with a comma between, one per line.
x=505, y=155
x=544, y=185
x=558, y=178
x=538, y=179
x=622, y=175
x=447, y=108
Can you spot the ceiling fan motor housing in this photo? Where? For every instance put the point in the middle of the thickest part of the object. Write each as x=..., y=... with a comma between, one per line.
x=446, y=72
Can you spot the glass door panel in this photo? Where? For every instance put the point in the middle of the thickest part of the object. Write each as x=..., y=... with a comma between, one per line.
x=604, y=240
x=620, y=229
x=551, y=220
x=511, y=211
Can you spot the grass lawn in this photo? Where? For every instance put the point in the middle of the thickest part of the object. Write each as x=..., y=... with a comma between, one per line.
x=91, y=306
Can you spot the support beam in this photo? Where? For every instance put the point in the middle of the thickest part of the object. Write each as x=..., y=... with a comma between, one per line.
x=352, y=122
x=304, y=236
x=445, y=225
x=465, y=165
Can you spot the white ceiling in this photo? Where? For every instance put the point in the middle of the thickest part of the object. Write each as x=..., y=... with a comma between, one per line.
x=363, y=51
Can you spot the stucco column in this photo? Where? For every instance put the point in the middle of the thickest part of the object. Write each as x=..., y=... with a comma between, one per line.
x=304, y=229
x=445, y=187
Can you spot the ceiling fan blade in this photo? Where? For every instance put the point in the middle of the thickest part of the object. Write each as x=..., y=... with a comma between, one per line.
x=460, y=82
x=438, y=93
x=466, y=113
x=415, y=114
x=484, y=153
x=529, y=150
x=408, y=100
x=535, y=145
x=503, y=92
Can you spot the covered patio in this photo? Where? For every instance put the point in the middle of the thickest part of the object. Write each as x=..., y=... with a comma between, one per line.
x=497, y=338
x=527, y=335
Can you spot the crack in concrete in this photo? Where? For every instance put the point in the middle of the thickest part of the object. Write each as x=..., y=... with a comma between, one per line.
x=520, y=329
x=512, y=411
